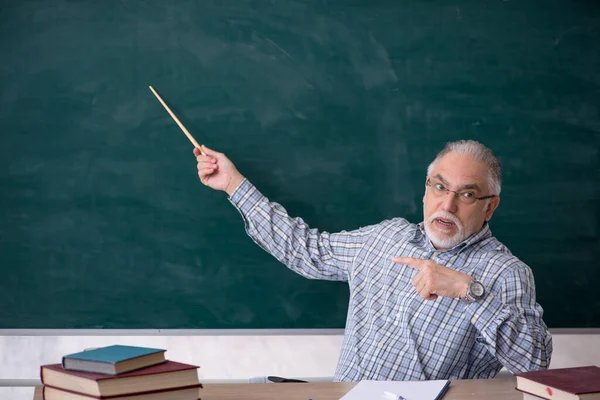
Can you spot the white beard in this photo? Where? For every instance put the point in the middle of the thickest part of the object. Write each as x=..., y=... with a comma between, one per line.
x=441, y=241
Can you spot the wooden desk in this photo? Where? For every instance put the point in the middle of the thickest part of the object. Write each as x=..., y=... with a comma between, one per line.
x=488, y=389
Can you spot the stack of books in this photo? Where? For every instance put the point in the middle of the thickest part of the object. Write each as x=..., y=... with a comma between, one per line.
x=577, y=383
x=120, y=373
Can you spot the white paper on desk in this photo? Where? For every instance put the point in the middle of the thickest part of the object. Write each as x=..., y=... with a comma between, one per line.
x=410, y=390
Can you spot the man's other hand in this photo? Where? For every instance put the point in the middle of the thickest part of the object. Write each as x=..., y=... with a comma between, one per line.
x=435, y=280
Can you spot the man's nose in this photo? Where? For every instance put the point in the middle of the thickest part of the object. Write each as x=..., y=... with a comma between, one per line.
x=450, y=202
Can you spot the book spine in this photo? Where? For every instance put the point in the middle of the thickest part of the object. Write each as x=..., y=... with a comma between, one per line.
x=77, y=393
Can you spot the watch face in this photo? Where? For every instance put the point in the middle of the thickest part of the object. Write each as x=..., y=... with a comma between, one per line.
x=477, y=289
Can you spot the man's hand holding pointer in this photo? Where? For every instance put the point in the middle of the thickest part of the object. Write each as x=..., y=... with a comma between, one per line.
x=216, y=170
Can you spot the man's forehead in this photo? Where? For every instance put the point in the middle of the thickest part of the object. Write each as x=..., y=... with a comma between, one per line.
x=460, y=170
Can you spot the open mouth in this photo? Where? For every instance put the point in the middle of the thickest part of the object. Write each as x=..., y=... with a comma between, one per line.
x=445, y=224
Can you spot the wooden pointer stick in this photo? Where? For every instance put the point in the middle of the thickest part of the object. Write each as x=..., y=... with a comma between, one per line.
x=177, y=120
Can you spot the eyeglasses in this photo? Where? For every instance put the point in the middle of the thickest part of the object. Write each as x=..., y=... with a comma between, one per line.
x=464, y=196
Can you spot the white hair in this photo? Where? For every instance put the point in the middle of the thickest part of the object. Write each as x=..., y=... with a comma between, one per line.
x=478, y=152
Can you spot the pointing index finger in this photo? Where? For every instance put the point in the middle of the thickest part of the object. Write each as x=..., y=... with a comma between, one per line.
x=410, y=261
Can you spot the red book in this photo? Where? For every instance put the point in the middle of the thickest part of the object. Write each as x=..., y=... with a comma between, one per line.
x=578, y=383
x=169, y=375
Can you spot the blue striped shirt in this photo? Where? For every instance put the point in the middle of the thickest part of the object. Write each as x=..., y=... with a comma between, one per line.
x=391, y=332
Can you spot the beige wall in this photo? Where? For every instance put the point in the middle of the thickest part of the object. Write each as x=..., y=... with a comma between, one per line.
x=230, y=357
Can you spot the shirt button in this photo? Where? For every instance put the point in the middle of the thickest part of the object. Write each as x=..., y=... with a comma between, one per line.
x=398, y=315
x=380, y=345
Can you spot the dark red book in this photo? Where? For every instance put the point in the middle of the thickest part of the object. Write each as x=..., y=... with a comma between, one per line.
x=169, y=375
x=577, y=383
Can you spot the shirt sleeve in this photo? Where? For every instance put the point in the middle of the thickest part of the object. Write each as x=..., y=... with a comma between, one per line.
x=509, y=321
x=310, y=253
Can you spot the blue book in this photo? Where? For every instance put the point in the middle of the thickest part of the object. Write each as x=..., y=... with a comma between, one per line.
x=113, y=360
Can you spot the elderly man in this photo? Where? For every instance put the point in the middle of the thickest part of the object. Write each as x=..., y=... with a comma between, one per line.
x=443, y=299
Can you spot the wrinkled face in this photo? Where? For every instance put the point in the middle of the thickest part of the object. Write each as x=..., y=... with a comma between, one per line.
x=448, y=220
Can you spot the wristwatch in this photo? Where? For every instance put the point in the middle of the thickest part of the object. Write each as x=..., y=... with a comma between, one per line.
x=475, y=291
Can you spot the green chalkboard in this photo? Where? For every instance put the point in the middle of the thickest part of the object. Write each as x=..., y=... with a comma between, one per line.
x=332, y=108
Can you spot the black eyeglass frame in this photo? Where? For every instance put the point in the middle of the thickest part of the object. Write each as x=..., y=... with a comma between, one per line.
x=457, y=194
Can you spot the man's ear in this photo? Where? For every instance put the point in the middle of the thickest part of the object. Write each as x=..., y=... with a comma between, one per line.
x=491, y=207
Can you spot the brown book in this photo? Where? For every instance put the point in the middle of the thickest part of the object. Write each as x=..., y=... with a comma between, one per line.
x=578, y=383
x=186, y=393
x=168, y=375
